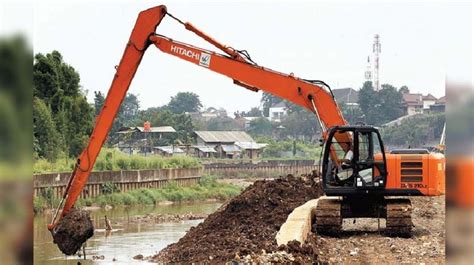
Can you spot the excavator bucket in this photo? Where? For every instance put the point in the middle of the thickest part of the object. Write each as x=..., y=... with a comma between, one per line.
x=72, y=231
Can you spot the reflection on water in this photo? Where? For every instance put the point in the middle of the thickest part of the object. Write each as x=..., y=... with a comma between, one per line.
x=125, y=241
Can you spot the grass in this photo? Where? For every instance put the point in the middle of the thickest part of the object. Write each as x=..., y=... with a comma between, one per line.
x=208, y=188
x=111, y=159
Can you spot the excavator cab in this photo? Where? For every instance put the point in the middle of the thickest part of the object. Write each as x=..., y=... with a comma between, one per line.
x=354, y=161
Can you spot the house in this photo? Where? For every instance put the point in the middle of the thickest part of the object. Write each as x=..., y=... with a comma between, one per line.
x=277, y=111
x=439, y=105
x=416, y=103
x=413, y=103
x=250, y=149
x=168, y=150
x=227, y=144
x=140, y=139
x=244, y=122
x=208, y=114
x=347, y=96
x=428, y=100
x=203, y=151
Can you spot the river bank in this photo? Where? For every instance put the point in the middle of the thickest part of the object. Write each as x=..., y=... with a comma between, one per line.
x=136, y=230
x=207, y=189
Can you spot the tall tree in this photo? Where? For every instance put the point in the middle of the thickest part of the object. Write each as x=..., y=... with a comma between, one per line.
x=57, y=84
x=99, y=100
x=45, y=131
x=382, y=106
x=185, y=102
x=261, y=126
x=404, y=90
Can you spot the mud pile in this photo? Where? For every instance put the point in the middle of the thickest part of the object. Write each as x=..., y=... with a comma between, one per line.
x=72, y=231
x=245, y=226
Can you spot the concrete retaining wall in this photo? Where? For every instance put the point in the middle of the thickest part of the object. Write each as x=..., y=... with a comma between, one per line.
x=125, y=180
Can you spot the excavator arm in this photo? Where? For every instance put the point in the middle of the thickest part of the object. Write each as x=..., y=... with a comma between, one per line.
x=236, y=65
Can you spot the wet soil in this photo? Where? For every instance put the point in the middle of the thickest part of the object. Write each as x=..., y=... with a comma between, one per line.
x=246, y=226
x=72, y=231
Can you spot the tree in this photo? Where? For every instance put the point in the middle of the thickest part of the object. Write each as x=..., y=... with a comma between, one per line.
x=382, y=106
x=253, y=112
x=223, y=124
x=300, y=124
x=404, y=90
x=45, y=131
x=390, y=101
x=261, y=126
x=99, y=100
x=352, y=114
x=57, y=84
x=185, y=102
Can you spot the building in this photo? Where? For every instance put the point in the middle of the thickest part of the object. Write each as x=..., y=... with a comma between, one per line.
x=428, y=100
x=413, y=103
x=416, y=103
x=244, y=122
x=140, y=139
x=208, y=114
x=203, y=151
x=439, y=105
x=277, y=111
x=347, y=96
x=168, y=150
x=226, y=144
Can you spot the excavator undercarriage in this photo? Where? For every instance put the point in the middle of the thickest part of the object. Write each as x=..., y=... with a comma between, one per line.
x=330, y=213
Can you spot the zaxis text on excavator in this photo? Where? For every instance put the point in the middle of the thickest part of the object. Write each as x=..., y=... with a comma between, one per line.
x=358, y=176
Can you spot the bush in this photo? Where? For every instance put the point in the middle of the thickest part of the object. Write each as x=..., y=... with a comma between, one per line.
x=112, y=159
x=109, y=188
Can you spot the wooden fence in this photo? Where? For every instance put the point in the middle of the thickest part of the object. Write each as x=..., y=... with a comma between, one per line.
x=125, y=180
x=262, y=169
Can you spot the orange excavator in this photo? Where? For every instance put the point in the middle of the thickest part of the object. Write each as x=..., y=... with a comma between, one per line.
x=358, y=177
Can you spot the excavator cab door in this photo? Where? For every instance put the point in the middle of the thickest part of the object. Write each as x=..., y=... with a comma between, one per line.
x=353, y=166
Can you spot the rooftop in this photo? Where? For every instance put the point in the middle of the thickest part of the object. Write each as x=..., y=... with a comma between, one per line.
x=346, y=95
x=160, y=129
x=224, y=136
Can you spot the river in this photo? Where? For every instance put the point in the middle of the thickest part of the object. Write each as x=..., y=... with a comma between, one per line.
x=127, y=240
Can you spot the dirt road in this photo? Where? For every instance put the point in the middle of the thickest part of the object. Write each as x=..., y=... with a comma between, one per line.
x=361, y=243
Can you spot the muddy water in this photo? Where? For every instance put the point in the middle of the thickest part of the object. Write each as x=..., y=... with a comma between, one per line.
x=127, y=240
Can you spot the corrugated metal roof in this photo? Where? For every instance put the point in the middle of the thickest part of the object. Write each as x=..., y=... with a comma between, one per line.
x=250, y=145
x=230, y=148
x=170, y=149
x=160, y=129
x=224, y=136
x=205, y=149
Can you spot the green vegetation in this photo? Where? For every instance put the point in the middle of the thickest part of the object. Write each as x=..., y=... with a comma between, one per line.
x=289, y=149
x=416, y=131
x=15, y=108
x=208, y=188
x=112, y=159
x=379, y=107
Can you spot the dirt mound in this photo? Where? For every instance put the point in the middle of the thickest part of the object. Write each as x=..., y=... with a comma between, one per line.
x=72, y=231
x=245, y=226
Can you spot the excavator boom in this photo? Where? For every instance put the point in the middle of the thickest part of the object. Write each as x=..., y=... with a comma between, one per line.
x=234, y=65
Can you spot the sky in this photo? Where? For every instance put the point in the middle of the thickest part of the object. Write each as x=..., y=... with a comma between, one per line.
x=330, y=41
